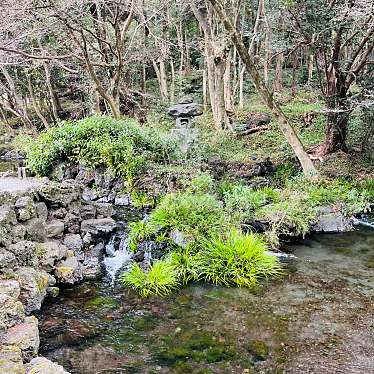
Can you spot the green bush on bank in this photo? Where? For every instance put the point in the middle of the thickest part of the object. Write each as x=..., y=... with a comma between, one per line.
x=123, y=146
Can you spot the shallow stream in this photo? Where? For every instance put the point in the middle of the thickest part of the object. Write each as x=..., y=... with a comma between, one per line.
x=317, y=319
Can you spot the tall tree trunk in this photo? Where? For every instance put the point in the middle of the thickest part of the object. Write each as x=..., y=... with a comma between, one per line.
x=278, y=81
x=284, y=125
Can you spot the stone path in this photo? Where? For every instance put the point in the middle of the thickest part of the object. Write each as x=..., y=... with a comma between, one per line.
x=12, y=184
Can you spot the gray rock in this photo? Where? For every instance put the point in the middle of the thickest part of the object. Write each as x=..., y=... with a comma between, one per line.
x=7, y=260
x=25, y=253
x=69, y=271
x=34, y=285
x=53, y=291
x=41, y=365
x=178, y=238
x=92, y=268
x=12, y=312
x=330, y=220
x=10, y=287
x=104, y=209
x=74, y=242
x=49, y=254
x=25, y=208
x=87, y=239
x=98, y=226
x=7, y=220
x=35, y=230
x=185, y=110
x=89, y=195
x=72, y=223
x=122, y=200
x=24, y=336
x=11, y=361
x=18, y=233
x=41, y=211
x=88, y=212
x=59, y=213
x=55, y=229
x=61, y=194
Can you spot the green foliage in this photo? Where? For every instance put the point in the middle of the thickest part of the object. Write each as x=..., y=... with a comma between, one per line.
x=201, y=183
x=239, y=259
x=121, y=145
x=194, y=215
x=289, y=217
x=160, y=279
x=139, y=230
x=242, y=201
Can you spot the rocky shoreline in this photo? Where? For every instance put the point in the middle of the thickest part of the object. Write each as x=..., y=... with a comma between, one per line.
x=52, y=235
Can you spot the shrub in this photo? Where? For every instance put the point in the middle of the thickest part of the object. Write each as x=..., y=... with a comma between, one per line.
x=160, y=279
x=194, y=215
x=121, y=145
x=239, y=259
x=289, y=217
x=242, y=201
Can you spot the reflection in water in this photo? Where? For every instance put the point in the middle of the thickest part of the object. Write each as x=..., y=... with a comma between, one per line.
x=317, y=319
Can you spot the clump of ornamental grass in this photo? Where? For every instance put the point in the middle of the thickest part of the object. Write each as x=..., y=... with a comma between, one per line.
x=160, y=279
x=236, y=260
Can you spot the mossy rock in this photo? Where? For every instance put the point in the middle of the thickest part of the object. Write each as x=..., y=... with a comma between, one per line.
x=258, y=349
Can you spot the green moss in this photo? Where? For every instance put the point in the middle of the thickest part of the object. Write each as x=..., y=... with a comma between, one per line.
x=103, y=302
x=258, y=349
x=194, y=345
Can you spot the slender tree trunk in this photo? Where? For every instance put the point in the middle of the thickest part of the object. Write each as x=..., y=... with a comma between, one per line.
x=278, y=81
x=35, y=105
x=284, y=125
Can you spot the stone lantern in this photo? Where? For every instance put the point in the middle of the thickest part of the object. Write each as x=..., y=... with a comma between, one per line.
x=184, y=113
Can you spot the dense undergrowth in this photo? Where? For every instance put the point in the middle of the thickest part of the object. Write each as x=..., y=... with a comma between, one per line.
x=208, y=227
x=123, y=146
x=207, y=223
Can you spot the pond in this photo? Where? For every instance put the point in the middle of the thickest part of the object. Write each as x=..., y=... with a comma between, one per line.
x=319, y=318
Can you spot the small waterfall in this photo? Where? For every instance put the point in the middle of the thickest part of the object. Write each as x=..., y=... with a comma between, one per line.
x=118, y=255
x=364, y=221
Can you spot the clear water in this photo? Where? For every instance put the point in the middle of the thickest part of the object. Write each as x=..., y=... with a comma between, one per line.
x=318, y=319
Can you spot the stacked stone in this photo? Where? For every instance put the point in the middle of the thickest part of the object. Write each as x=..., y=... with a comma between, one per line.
x=49, y=236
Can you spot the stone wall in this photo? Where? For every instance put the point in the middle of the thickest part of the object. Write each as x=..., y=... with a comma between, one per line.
x=50, y=236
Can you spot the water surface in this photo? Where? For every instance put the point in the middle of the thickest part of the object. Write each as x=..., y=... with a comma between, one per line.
x=317, y=319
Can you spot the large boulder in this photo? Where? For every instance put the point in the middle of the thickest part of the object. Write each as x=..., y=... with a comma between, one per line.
x=69, y=271
x=50, y=253
x=87, y=212
x=12, y=312
x=331, y=220
x=92, y=268
x=41, y=365
x=98, y=226
x=25, y=253
x=24, y=336
x=41, y=211
x=60, y=194
x=34, y=284
x=11, y=360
